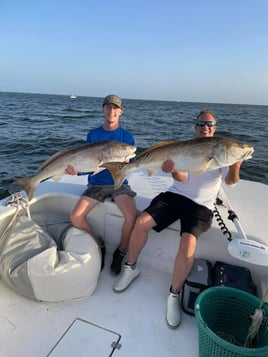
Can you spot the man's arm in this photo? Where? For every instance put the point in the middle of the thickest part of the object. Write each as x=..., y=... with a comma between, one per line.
x=168, y=167
x=233, y=176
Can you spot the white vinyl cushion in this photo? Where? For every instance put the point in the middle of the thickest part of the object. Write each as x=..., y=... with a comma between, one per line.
x=69, y=274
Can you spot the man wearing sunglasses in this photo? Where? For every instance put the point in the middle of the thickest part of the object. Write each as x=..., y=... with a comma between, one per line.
x=190, y=199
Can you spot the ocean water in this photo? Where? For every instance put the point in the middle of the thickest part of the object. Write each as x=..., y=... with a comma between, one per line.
x=35, y=126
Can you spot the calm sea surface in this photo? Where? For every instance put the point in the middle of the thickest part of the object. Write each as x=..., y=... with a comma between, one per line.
x=35, y=126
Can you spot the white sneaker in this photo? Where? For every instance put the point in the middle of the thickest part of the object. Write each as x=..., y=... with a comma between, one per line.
x=173, y=310
x=128, y=275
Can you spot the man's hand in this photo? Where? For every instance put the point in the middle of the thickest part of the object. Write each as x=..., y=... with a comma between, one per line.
x=168, y=166
x=70, y=170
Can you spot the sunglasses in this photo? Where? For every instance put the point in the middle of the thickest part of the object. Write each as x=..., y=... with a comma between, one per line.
x=203, y=123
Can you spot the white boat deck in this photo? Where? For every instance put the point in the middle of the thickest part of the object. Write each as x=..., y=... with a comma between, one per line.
x=31, y=328
x=131, y=323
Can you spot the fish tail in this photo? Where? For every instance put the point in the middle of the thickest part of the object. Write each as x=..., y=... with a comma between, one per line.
x=118, y=170
x=27, y=184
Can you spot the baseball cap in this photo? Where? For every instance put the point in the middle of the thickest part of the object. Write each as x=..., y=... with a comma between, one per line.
x=113, y=99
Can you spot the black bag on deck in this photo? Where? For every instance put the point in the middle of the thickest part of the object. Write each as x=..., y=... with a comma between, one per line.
x=233, y=276
x=199, y=279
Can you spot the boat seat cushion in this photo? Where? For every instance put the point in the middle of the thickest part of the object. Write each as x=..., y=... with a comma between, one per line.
x=40, y=262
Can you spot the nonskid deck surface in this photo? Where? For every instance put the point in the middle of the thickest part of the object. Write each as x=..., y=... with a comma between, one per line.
x=135, y=318
x=137, y=315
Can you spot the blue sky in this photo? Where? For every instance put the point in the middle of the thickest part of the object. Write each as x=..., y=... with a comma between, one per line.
x=206, y=51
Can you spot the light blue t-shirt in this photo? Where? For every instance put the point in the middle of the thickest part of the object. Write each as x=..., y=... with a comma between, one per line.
x=100, y=134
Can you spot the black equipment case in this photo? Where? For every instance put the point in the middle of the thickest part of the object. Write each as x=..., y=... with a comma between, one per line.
x=199, y=279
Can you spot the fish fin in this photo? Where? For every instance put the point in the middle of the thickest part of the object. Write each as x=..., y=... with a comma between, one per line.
x=151, y=171
x=118, y=170
x=155, y=146
x=98, y=169
x=205, y=167
x=163, y=143
x=198, y=172
x=28, y=185
x=56, y=178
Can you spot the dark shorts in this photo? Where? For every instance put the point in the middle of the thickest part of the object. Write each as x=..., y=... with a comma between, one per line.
x=168, y=207
x=100, y=193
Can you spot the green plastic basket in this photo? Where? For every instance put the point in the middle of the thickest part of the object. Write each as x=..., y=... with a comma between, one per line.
x=223, y=316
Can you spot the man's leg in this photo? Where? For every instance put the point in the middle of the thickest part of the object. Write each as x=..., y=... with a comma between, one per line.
x=127, y=206
x=80, y=212
x=79, y=220
x=182, y=267
x=138, y=239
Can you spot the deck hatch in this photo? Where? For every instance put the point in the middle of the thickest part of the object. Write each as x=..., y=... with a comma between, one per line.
x=84, y=338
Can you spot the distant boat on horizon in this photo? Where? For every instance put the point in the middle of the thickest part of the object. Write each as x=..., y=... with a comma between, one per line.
x=73, y=96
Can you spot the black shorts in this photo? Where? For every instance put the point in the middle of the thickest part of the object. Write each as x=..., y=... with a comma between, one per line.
x=168, y=207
